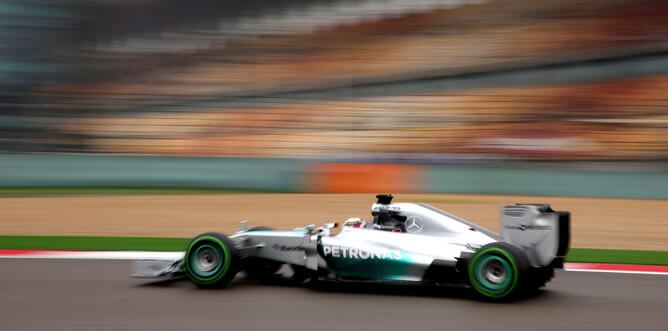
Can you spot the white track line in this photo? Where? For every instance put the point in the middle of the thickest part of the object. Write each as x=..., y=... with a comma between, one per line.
x=619, y=271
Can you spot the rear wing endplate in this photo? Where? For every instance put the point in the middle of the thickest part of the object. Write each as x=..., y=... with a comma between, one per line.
x=544, y=234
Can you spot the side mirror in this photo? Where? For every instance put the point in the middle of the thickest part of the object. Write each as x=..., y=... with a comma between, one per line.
x=331, y=225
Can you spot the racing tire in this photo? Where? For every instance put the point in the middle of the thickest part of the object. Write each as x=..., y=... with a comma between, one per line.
x=542, y=276
x=499, y=272
x=211, y=260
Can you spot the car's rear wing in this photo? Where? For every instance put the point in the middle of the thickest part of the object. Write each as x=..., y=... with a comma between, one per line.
x=543, y=233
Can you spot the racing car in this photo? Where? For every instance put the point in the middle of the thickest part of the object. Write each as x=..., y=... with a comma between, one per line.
x=402, y=242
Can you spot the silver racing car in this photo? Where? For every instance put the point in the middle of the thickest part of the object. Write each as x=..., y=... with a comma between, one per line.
x=403, y=242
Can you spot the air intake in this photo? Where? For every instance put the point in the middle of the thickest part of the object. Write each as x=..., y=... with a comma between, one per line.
x=384, y=199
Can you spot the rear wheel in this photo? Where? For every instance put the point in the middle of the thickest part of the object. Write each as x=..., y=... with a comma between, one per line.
x=498, y=271
x=211, y=260
x=543, y=276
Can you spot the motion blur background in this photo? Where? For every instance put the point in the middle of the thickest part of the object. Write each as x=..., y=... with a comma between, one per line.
x=565, y=97
x=136, y=124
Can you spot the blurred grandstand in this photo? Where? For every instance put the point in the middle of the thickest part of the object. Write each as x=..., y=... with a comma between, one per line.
x=367, y=79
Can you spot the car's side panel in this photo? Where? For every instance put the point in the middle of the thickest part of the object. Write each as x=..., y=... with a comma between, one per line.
x=354, y=257
x=289, y=247
x=383, y=255
x=359, y=253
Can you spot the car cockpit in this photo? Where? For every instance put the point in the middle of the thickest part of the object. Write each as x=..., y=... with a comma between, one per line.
x=386, y=219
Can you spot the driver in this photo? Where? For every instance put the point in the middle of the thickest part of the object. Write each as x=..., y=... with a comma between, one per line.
x=389, y=222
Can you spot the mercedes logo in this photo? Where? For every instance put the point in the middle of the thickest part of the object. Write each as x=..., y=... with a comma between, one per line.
x=414, y=224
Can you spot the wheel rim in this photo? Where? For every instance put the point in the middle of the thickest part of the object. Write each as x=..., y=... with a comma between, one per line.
x=494, y=273
x=206, y=260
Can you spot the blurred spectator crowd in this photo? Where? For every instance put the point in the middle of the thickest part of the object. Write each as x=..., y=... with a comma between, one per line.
x=449, y=79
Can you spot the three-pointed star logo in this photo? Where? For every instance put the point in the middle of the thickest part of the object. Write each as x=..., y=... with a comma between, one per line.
x=414, y=224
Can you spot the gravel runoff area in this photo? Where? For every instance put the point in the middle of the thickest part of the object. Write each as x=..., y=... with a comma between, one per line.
x=597, y=223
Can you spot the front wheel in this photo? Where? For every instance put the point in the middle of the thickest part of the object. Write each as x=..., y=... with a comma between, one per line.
x=211, y=260
x=498, y=271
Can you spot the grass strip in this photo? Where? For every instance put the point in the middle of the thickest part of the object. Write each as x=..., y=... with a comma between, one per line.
x=617, y=256
x=93, y=243
x=177, y=244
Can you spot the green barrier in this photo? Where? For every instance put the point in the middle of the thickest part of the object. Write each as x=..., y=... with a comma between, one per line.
x=560, y=182
x=288, y=175
x=50, y=170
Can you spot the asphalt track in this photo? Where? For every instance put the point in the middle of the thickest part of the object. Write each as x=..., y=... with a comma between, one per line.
x=99, y=295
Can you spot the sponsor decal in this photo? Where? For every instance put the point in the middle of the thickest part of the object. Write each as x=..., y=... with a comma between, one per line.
x=285, y=248
x=385, y=208
x=524, y=227
x=361, y=254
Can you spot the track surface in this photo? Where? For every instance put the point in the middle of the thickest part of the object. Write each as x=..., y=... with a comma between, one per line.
x=99, y=295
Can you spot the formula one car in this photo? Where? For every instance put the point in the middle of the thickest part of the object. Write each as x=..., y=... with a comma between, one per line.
x=404, y=242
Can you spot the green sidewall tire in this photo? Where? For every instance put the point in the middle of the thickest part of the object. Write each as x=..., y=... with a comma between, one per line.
x=223, y=272
x=510, y=271
x=542, y=276
x=514, y=263
x=222, y=255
